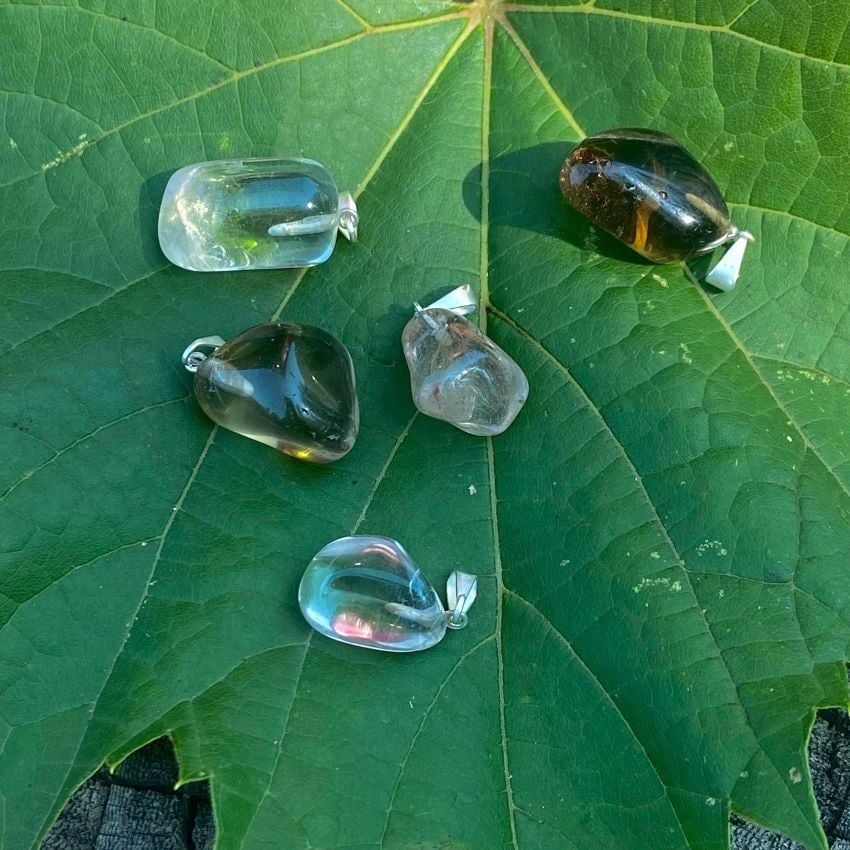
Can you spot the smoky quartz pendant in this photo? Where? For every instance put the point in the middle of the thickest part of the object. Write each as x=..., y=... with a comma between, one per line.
x=239, y=214
x=645, y=189
x=286, y=385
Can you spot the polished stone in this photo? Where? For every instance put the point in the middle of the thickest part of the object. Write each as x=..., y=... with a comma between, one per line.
x=645, y=189
x=460, y=375
x=289, y=386
x=367, y=591
x=217, y=216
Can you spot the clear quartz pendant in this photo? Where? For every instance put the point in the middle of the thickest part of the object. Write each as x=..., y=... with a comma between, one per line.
x=239, y=214
x=367, y=591
x=459, y=374
x=289, y=386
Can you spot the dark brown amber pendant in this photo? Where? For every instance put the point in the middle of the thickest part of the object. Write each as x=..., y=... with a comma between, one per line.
x=645, y=189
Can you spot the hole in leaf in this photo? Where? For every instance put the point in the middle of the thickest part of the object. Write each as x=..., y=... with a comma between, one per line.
x=136, y=806
x=138, y=802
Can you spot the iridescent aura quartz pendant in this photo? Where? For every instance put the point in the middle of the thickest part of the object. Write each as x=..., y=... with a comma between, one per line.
x=457, y=373
x=236, y=214
x=645, y=189
x=286, y=385
x=367, y=591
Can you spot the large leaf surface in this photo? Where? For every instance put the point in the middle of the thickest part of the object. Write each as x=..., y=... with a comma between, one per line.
x=662, y=536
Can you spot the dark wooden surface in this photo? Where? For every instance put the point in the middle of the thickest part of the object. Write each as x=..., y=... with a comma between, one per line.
x=137, y=808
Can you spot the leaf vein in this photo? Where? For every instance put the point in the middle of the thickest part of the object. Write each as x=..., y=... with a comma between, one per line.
x=758, y=373
x=62, y=158
x=542, y=79
x=605, y=696
x=77, y=567
x=123, y=22
x=112, y=293
x=426, y=714
x=675, y=24
x=59, y=453
x=142, y=597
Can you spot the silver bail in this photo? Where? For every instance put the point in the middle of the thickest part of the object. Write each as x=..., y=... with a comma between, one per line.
x=724, y=274
x=461, y=300
x=345, y=219
x=349, y=218
x=308, y=226
x=461, y=592
x=193, y=356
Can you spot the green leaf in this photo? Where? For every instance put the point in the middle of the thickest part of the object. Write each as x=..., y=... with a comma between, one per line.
x=661, y=536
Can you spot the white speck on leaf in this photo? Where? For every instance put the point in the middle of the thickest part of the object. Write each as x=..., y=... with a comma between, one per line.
x=795, y=775
x=472, y=490
x=709, y=546
x=66, y=155
x=658, y=581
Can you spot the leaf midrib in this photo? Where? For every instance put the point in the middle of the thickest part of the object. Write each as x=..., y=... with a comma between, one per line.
x=162, y=537
x=720, y=318
x=63, y=157
x=679, y=562
x=485, y=307
x=561, y=106
x=726, y=30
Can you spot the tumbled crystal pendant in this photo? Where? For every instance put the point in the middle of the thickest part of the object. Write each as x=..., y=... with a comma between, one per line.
x=645, y=189
x=367, y=591
x=237, y=214
x=289, y=386
x=459, y=374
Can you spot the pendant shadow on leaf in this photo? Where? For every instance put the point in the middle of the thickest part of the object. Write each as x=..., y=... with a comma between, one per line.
x=150, y=198
x=524, y=194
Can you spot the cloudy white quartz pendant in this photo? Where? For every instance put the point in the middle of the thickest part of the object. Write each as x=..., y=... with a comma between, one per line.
x=457, y=373
x=236, y=214
x=367, y=591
